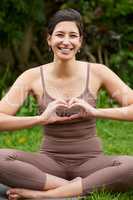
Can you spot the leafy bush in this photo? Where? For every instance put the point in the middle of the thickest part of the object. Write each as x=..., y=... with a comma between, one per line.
x=30, y=107
x=122, y=64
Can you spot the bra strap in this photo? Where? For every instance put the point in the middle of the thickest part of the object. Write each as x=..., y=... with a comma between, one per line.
x=88, y=72
x=42, y=78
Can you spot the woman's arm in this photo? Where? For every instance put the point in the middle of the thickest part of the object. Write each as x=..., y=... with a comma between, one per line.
x=119, y=91
x=102, y=76
x=122, y=113
x=13, y=100
x=10, y=123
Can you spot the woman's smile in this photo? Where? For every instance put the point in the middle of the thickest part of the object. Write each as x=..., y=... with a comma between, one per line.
x=65, y=50
x=65, y=40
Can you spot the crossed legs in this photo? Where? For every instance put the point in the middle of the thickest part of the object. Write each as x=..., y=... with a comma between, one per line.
x=29, y=170
x=116, y=175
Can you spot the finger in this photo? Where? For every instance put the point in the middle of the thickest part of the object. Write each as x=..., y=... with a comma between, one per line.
x=12, y=191
x=75, y=116
x=81, y=112
x=77, y=104
x=16, y=191
x=84, y=113
x=59, y=106
x=72, y=101
x=56, y=102
x=62, y=118
x=14, y=197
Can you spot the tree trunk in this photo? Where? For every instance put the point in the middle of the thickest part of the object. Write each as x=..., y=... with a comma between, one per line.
x=89, y=54
x=106, y=60
x=22, y=50
x=37, y=54
x=99, y=52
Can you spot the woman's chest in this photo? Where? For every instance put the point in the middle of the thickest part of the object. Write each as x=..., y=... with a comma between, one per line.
x=65, y=89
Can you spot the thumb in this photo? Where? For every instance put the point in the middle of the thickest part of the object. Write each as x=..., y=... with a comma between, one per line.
x=62, y=118
x=74, y=116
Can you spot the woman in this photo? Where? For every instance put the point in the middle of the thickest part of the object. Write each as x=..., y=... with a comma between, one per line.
x=71, y=161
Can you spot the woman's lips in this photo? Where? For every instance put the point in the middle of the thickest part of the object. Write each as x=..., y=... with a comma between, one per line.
x=65, y=50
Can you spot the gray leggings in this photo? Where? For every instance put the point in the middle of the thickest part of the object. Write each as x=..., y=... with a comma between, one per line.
x=28, y=170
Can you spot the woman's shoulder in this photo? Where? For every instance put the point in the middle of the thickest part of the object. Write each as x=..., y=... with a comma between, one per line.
x=94, y=67
x=34, y=73
x=99, y=69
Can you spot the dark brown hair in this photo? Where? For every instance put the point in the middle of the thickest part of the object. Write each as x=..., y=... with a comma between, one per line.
x=65, y=15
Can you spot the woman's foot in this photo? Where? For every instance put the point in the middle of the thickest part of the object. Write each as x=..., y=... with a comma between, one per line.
x=18, y=193
x=68, y=190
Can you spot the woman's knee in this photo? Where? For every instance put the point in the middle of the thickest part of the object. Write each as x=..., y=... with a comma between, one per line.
x=126, y=166
x=8, y=153
x=125, y=159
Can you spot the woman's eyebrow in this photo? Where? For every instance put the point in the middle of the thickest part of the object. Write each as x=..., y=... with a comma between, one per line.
x=72, y=32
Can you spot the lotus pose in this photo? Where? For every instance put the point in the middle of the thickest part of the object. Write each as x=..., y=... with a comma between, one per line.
x=71, y=161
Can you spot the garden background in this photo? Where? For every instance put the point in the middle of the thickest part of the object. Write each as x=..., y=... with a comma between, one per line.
x=108, y=40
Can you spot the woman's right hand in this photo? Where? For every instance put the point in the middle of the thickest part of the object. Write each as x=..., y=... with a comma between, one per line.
x=50, y=116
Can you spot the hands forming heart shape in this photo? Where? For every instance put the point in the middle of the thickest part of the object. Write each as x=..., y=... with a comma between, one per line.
x=61, y=110
x=73, y=107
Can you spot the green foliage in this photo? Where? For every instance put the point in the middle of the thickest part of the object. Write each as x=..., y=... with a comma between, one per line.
x=105, y=101
x=15, y=15
x=6, y=76
x=122, y=64
x=30, y=107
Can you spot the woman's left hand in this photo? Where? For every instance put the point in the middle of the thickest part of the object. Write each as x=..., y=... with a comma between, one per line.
x=86, y=109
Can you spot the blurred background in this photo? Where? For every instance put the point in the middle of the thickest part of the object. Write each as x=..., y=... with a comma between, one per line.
x=23, y=23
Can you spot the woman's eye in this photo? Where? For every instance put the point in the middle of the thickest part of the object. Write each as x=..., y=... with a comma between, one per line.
x=73, y=36
x=60, y=35
x=70, y=36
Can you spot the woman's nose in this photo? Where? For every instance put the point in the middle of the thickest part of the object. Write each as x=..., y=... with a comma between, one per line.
x=66, y=40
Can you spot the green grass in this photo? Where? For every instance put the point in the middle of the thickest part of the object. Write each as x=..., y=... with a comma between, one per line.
x=117, y=139
x=117, y=136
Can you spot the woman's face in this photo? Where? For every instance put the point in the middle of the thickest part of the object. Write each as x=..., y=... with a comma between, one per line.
x=65, y=40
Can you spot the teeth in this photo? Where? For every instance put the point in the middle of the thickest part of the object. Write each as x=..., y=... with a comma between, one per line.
x=64, y=50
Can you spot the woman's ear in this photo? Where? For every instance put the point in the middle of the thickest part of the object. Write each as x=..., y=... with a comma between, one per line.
x=49, y=39
x=81, y=41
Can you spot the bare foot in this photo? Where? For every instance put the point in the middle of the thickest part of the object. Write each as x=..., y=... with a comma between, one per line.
x=18, y=193
x=13, y=197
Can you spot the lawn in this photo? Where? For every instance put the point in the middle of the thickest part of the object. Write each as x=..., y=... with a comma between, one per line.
x=117, y=139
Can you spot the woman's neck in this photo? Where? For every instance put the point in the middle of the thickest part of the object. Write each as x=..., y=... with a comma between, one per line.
x=64, y=69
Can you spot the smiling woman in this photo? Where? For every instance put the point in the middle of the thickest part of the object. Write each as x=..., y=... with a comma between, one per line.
x=71, y=161
x=65, y=40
